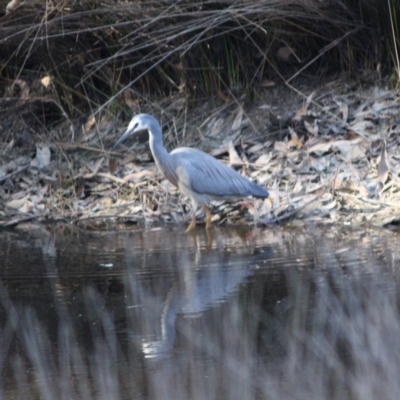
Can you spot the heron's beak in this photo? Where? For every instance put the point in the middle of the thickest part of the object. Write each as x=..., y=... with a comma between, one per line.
x=123, y=137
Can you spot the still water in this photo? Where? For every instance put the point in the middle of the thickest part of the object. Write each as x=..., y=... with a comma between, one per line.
x=230, y=314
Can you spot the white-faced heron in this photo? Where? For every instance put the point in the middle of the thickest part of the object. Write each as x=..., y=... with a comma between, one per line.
x=196, y=174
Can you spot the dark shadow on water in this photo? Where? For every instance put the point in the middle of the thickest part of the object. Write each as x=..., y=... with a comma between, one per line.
x=226, y=314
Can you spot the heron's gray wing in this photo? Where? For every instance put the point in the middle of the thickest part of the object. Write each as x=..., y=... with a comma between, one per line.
x=207, y=175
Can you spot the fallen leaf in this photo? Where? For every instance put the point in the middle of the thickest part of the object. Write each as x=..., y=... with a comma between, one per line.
x=178, y=66
x=319, y=164
x=112, y=165
x=90, y=123
x=224, y=98
x=43, y=156
x=295, y=143
x=182, y=87
x=45, y=81
x=379, y=106
x=128, y=158
x=219, y=151
x=337, y=183
x=264, y=159
x=351, y=136
x=301, y=112
x=13, y=5
x=320, y=148
x=274, y=196
x=237, y=123
x=267, y=83
x=327, y=207
x=12, y=166
x=293, y=133
x=383, y=169
x=24, y=87
x=362, y=127
x=255, y=148
x=311, y=129
x=95, y=168
x=129, y=100
x=280, y=146
x=344, y=110
x=234, y=158
x=284, y=53
x=265, y=107
x=26, y=207
x=104, y=202
x=273, y=118
x=350, y=149
x=310, y=97
x=17, y=203
x=137, y=176
x=216, y=128
x=80, y=188
x=298, y=187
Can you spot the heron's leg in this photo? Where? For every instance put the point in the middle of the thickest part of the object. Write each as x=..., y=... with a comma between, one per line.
x=208, y=217
x=192, y=223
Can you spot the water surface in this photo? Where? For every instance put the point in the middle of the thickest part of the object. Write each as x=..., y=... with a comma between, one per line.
x=231, y=313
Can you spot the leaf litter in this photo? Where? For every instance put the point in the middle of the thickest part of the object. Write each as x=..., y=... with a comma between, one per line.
x=325, y=159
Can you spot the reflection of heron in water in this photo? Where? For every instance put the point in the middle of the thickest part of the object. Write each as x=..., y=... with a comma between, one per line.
x=200, y=289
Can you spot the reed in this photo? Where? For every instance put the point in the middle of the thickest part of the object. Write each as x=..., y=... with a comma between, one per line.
x=94, y=51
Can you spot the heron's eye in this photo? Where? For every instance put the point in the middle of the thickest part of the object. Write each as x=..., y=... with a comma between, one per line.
x=136, y=125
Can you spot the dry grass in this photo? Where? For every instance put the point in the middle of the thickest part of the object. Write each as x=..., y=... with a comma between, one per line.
x=95, y=51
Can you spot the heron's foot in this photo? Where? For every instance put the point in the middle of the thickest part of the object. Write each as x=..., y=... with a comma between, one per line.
x=192, y=223
x=208, y=217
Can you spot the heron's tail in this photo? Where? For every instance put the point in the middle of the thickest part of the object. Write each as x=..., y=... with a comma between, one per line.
x=258, y=191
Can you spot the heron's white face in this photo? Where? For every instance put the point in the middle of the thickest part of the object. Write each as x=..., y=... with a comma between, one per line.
x=136, y=125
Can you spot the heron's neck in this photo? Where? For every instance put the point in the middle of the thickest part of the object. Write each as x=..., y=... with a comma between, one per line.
x=160, y=153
